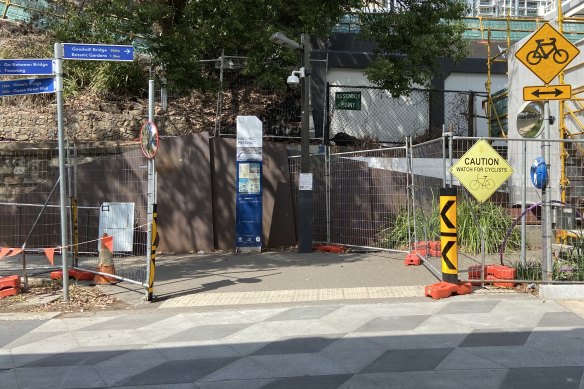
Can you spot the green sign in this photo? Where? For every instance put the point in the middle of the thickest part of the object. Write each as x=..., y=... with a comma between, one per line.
x=348, y=100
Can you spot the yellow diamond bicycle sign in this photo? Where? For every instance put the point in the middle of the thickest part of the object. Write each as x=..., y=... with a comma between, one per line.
x=481, y=170
x=547, y=53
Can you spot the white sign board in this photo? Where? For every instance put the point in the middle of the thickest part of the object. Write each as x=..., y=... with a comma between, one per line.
x=305, y=181
x=249, y=132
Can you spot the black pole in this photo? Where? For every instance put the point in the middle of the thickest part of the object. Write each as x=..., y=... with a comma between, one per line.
x=305, y=199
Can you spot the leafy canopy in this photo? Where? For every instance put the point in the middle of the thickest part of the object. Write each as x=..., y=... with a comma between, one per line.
x=178, y=34
x=411, y=36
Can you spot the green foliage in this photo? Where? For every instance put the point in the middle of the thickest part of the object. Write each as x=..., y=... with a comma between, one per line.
x=397, y=234
x=179, y=33
x=530, y=270
x=472, y=220
x=411, y=40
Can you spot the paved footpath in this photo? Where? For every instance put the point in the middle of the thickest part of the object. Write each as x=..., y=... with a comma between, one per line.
x=474, y=341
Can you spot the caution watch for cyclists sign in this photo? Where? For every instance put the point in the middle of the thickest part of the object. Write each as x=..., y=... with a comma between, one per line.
x=481, y=170
x=547, y=53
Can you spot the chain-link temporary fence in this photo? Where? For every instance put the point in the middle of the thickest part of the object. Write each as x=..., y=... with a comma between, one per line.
x=358, y=196
x=358, y=112
x=107, y=195
x=389, y=199
x=29, y=204
x=508, y=228
x=368, y=112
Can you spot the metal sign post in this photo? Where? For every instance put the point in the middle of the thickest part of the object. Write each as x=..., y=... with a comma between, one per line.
x=63, y=181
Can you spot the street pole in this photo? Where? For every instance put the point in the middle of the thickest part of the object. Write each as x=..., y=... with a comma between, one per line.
x=547, y=227
x=63, y=179
x=305, y=196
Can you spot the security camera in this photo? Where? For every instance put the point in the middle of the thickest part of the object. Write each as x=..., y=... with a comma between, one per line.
x=293, y=80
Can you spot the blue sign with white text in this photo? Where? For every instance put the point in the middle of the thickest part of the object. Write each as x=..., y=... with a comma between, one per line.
x=91, y=52
x=31, y=86
x=22, y=67
x=248, y=204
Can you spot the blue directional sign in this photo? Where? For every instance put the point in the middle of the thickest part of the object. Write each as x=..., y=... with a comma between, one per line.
x=21, y=67
x=90, y=52
x=31, y=86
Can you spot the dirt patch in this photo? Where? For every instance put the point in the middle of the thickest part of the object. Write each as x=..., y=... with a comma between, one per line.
x=46, y=296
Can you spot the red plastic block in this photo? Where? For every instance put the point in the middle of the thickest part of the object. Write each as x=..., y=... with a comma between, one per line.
x=500, y=284
x=10, y=282
x=492, y=269
x=446, y=289
x=435, y=245
x=474, y=272
x=330, y=248
x=412, y=259
x=504, y=272
x=440, y=290
x=464, y=288
x=9, y=292
x=435, y=253
x=422, y=252
x=81, y=275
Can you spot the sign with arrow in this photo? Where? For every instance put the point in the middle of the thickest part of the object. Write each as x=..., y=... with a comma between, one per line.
x=91, y=52
x=448, y=235
x=550, y=92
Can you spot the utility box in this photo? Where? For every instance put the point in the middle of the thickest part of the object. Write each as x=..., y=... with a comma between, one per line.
x=117, y=220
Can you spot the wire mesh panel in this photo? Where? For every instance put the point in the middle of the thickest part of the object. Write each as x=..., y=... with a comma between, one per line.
x=107, y=193
x=428, y=170
x=358, y=196
x=29, y=204
x=507, y=228
x=111, y=188
x=371, y=112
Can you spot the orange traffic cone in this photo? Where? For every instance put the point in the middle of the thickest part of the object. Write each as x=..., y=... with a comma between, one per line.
x=106, y=261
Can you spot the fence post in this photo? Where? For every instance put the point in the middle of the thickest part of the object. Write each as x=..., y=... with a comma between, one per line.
x=409, y=148
x=219, y=96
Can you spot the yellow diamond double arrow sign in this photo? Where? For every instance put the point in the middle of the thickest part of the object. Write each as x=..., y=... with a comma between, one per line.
x=550, y=92
x=547, y=53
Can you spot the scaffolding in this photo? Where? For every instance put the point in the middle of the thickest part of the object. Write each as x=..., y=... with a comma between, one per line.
x=570, y=111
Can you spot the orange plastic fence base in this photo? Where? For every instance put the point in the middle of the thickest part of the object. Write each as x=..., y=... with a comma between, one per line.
x=500, y=284
x=9, y=292
x=434, y=245
x=81, y=275
x=10, y=282
x=330, y=248
x=422, y=248
x=494, y=273
x=78, y=275
x=445, y=289
x=435, y=253
x=412, y=259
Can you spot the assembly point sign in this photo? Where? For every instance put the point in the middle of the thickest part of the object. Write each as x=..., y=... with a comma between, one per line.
x=481, y=170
